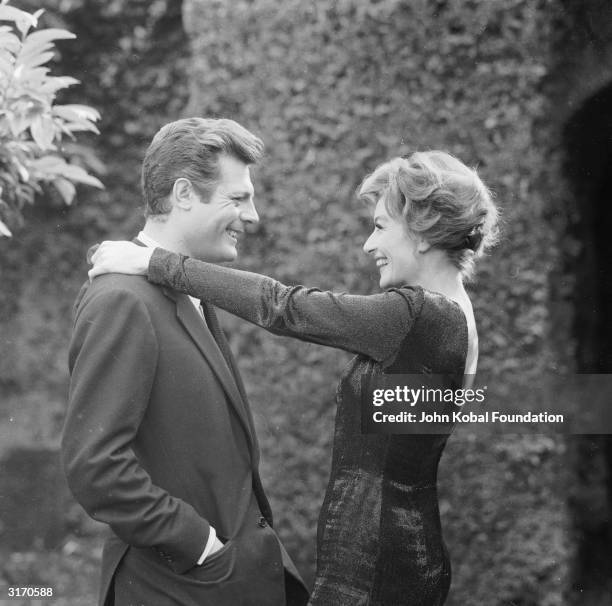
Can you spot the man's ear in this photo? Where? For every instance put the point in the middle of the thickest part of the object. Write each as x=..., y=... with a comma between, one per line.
x=183, y=194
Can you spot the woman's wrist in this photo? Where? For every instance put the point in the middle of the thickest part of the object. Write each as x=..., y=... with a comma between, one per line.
x=147, y=254
x=164, y=267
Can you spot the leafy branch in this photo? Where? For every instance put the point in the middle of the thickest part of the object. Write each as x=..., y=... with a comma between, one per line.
x=32, y=126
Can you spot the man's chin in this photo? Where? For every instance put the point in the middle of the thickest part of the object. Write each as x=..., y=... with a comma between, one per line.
x=219, y=256
x=230, y=256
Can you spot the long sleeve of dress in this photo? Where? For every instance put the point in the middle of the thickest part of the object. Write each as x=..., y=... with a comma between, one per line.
x=374, y=325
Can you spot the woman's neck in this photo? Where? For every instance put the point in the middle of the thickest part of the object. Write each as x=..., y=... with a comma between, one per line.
x=438, y=274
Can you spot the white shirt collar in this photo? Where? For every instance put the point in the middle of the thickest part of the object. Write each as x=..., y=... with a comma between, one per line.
x=151, y=243
x=148, y=241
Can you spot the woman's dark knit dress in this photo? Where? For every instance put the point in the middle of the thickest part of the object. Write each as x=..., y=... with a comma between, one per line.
x=379, y=540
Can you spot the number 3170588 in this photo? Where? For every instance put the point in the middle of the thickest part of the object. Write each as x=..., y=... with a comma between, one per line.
x=30, y=592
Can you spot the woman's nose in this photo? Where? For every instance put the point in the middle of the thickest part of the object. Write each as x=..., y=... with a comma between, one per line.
x=368, y=246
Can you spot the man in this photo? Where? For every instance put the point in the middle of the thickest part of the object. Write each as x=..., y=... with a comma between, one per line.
x=159, y=440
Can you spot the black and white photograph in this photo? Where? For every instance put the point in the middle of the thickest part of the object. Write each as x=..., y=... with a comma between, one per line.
x=305, y=303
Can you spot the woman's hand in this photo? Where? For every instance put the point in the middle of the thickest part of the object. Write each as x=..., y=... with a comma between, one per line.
x=119, y=258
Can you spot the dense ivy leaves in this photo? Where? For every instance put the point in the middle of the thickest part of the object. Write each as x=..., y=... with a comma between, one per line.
x=335, y=88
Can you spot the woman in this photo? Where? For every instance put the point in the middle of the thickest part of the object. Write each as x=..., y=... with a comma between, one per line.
x=379, y=537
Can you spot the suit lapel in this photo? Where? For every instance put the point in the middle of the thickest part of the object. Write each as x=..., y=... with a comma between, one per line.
x=201, y=336
x=217, y=333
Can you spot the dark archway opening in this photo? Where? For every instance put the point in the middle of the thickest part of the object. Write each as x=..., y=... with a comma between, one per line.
x=588, y=145
x=588, y=142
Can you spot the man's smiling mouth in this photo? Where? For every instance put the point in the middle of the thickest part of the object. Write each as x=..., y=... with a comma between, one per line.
x=233, y=234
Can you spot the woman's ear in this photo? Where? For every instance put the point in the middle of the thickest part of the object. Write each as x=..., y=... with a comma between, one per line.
x=422, y=245
x=182, y=192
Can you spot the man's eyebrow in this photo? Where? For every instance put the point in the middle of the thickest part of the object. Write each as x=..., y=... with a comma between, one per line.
x=241, y=194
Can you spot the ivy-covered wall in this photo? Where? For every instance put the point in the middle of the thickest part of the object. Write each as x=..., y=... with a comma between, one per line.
x=334, y=88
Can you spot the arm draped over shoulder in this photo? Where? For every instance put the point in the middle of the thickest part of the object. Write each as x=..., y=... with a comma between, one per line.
x=373, y=325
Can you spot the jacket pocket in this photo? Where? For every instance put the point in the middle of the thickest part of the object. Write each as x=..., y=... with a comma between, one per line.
x=217, y=567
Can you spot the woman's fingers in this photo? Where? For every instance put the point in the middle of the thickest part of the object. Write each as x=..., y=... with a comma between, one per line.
x=99, y=251
x=118, y=257
x=96, y=256
x=93, y=272
x=91, y=253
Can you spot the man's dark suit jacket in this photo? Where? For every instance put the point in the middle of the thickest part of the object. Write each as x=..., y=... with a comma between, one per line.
x=158, y=444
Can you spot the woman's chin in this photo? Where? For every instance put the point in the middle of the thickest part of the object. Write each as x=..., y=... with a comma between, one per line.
x=388, y=282
x=384, y=282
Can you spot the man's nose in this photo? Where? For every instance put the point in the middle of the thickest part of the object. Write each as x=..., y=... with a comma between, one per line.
x=248, y=213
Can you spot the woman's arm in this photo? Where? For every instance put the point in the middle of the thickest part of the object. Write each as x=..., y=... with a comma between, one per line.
x=374, y=325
